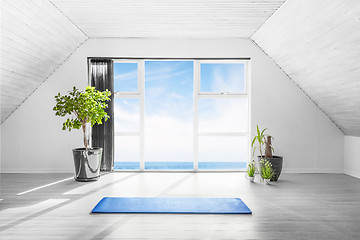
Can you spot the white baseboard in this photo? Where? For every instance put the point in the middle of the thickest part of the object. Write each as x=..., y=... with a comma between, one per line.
x=44, y=170
x=351, y=173
x=312, y=171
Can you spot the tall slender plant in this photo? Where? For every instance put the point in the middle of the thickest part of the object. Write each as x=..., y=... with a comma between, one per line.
x=83, y=107
x=261, y=140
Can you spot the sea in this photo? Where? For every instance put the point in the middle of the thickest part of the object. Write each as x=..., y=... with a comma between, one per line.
x=181, y=165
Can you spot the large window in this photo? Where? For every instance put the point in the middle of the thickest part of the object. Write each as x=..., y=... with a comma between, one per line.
x=128, y=114
x=181, y=114
x=222, y=115
x=168, y=115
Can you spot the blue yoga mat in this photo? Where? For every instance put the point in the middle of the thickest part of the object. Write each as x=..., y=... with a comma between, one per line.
x=171, y=205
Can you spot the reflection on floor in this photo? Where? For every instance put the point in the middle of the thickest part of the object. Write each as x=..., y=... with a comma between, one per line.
x=181, y=165
x=298, y=206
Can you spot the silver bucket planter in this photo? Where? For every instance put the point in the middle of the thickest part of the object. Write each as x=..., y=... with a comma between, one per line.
x=87, y=164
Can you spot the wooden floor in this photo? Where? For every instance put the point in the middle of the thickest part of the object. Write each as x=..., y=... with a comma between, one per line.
x=298, y=206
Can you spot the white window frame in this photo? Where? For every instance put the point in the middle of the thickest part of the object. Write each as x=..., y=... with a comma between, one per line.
x=140, y=94
x=137, y=95
x=202, y=95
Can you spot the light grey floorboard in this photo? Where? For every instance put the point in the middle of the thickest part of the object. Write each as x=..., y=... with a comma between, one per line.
x=298, y=206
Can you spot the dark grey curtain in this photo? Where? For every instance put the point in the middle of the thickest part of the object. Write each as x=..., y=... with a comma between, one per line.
x=101, y=77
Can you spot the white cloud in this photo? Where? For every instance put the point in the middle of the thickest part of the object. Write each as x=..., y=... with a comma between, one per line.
x=229, y=81
x=155, y=91
x=126, y=76
x=223, y=115
x=164, y=73
x=127, y=119
x=176, y=95
x=171, y=139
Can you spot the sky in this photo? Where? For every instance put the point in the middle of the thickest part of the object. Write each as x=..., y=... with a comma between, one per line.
x=169, y=112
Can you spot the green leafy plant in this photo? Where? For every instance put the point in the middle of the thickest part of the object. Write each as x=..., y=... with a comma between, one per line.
x=259, y=138
x=266, y=169
x=251, y=169
x=84, y=107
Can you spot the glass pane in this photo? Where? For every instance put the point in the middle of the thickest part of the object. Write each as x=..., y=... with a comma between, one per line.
x=127, y=152
x=125, y=77
x=168, y=115
x=223, y=152
x=222, y=77
x=223, y=115
x=127, y=115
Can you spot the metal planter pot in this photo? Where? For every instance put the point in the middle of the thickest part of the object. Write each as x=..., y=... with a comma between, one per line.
x=87, y=164
x=276, y=162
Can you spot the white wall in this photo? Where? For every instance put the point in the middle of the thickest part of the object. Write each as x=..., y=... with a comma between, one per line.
x=32, y=139
x=352, y=158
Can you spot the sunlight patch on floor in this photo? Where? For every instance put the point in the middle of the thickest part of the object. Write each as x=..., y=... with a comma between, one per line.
x=10, y=215
x=44, y=186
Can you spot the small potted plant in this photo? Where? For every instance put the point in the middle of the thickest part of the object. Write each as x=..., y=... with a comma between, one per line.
x=251, y=171
x=84, y=107
x=266, y=171
x=264, y=143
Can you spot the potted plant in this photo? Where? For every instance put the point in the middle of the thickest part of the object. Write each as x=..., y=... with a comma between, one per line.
x=266, y=171
x=264, y=143
x=84, y=107
x=251, y=171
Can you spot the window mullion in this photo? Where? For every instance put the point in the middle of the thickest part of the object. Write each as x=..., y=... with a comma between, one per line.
x=141, y=79
x=195, y=117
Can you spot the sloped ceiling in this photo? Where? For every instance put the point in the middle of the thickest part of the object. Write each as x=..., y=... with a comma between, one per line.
x=317, y=43
x=36, y=38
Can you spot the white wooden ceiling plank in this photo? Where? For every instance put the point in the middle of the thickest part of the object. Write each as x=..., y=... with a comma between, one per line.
x=13, y=91
x=47, y=15
x=28, y=71
x=9, y=40
x=27, y=77
x=318, y=47
x=30, y=63
x=36, y=39
x=21, y=82
x=19, y=75
x=40, y=28
x=168, y=18
x=65, y=26
x=323, y=45
x=13, y=97
x=18, y=57
x=178, y=34
x=230, y=11
x=9, y=91
x=302, y=33
x=17, y=53
x=154, y=3
x=31, y=35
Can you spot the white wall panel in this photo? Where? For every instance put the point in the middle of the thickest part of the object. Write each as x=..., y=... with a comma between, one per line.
x=317, y=43
x=306, y=138
x=35, y=39
x=351, y=159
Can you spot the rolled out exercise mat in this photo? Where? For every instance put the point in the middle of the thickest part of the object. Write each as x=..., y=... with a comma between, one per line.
x=171, y=205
